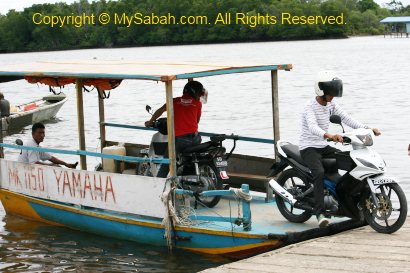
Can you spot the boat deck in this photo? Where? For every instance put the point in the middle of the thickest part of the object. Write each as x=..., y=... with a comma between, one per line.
x=266, y=218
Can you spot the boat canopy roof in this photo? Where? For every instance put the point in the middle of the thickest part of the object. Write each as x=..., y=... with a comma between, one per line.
x=132, y=69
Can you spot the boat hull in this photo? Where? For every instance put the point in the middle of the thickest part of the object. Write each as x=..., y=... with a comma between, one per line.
x=126, y=227
x=17, y=121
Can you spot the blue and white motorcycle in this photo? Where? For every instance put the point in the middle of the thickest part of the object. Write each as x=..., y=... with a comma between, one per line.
x=363, y=191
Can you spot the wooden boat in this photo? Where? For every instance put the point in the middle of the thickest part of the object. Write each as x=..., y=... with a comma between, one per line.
x=35, y=111
x=146, y=209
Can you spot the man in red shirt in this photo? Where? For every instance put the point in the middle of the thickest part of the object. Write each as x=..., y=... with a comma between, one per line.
x=187, y=113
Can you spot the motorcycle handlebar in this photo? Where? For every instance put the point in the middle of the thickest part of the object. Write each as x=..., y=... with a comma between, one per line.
x=345, y=140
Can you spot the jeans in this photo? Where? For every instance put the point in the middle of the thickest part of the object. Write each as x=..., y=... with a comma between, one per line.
x=181, y=143
x=313, y=159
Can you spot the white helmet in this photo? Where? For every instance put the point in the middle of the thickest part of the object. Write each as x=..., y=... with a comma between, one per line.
x=328, y=83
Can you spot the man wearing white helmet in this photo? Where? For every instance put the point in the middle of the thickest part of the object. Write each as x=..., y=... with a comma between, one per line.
x=315, y=124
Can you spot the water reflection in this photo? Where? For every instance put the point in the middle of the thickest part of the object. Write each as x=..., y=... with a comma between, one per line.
x=36, y=247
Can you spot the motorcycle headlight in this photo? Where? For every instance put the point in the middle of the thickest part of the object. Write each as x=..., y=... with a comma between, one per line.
x=366, y=139
x=367, y=163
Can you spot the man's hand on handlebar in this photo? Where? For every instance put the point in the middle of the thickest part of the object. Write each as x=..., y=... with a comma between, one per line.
x=149, y=123
x=335, y=137
x=376, y=132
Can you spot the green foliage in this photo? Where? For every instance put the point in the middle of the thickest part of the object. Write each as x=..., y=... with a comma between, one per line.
x=19, y=33
x=364, y=5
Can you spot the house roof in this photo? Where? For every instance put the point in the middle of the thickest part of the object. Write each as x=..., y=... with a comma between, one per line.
x=398, y=19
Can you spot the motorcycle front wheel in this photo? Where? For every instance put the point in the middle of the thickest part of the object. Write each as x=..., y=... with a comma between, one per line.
x=210, y=180
x=392, y=211
x=294, y=183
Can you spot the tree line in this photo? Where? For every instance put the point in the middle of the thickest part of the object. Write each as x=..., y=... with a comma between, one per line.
x=18, y=33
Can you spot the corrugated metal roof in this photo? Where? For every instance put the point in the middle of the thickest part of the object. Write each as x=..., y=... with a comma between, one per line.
x=146, y=70
x=401, y=19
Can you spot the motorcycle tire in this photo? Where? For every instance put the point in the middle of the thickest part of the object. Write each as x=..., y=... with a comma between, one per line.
x=283, y=206
x=374, y=216
x=143, y=168
x=211, y=174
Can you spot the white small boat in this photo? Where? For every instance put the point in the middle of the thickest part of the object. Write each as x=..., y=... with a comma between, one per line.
x=29, y=113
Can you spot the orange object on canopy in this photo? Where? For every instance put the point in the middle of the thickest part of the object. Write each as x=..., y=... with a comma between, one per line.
x=50, y=81
x=101, y=84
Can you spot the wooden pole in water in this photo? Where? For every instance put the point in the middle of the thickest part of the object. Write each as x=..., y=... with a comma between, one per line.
x=102, y=119
x=275, y=110
x=170, y=128
x=80, y=120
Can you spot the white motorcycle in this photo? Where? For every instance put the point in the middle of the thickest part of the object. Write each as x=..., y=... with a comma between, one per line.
x=157, y=148
x=363, y=191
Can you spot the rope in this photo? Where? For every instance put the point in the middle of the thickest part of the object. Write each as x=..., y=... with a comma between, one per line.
x=241, y=194
x=170, y=217
x=184, y=216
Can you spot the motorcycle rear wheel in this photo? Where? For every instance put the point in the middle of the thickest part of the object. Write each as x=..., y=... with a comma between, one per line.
x=293, y=182
x=389, y=217
x=143, y=168
x=213, y=182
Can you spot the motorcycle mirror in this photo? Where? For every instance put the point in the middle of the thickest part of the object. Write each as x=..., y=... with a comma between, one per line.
x=19, y=142
x=335, y=119
x=148, y=109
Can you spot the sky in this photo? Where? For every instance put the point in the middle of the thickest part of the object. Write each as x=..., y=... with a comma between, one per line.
x=19, y=5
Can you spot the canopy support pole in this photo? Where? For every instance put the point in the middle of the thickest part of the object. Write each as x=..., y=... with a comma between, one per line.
x=102, y=120
x=170, y=127
x=1, y=138
x=275, y=122
x=80, y=120
x=275, y=111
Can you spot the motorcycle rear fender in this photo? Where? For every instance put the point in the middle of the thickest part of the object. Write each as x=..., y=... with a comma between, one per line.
x=277, y=167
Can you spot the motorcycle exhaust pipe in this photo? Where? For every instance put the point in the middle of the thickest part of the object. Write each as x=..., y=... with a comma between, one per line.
x=278, y=189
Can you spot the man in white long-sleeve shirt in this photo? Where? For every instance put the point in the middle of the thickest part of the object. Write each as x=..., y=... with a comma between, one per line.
x=315, y=124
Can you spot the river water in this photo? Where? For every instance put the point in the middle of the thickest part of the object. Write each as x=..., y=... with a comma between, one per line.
x=376, y=79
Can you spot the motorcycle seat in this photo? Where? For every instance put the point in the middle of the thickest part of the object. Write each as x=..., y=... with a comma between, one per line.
x=198, y=148
x=292, y=151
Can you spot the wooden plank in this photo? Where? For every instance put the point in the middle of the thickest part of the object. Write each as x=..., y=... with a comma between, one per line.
x=359, y=250
x=100, y=190
x=261, y=178
x=80, y=121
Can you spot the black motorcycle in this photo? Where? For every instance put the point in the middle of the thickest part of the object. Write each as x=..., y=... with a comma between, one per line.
x=203, y=167
x=200, y=167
